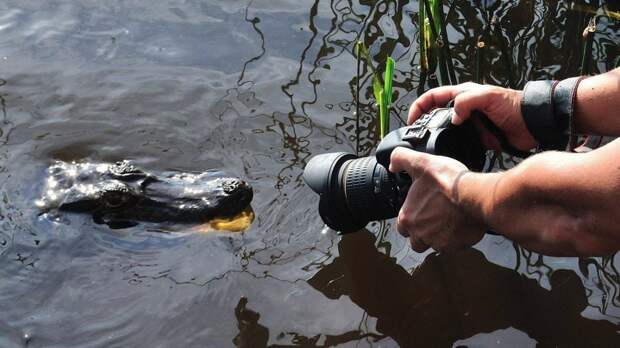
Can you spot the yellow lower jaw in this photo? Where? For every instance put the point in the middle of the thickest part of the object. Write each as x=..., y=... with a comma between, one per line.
x=237, y=223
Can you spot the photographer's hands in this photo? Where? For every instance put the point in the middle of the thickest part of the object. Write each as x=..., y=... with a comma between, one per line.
x=502, y=106
x=554, y=203
x=430, y=216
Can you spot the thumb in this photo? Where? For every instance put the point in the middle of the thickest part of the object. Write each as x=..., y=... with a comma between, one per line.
x=466, y=102
x=410, y=161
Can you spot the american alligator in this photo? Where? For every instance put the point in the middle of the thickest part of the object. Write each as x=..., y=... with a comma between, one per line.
x=120, y=195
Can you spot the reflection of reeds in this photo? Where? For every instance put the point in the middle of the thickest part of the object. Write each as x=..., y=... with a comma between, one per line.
x=506, y=55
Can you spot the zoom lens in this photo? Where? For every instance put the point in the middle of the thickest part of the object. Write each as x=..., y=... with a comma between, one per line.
x=354, y=191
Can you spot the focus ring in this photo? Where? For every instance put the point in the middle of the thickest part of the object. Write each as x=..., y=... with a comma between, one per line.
x=365, y=198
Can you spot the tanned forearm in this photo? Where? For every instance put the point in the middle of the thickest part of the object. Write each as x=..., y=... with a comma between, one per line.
x=554, y=203
x=597, y=104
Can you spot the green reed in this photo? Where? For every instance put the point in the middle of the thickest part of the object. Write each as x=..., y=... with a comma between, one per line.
x=382, y=92
x=385, y=97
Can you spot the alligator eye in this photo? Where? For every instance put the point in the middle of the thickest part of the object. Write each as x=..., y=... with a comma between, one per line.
x=114, y=199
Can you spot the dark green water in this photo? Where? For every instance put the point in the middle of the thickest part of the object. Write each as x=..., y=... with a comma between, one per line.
x=254, y=89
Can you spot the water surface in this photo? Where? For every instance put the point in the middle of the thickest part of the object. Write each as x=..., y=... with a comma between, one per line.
x=253, y=89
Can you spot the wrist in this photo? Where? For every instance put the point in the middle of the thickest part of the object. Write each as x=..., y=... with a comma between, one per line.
x=474, y=194
x=525, y=141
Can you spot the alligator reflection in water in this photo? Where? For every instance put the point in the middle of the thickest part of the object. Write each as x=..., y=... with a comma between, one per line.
x=120, y=195
x=449, y=297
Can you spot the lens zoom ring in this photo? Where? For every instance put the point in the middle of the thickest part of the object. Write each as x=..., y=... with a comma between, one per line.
x=360, y=189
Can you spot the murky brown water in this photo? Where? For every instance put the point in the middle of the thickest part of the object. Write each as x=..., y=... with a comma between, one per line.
x=254, y=89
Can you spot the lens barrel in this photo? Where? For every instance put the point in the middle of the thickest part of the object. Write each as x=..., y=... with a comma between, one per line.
x=370, y=190
x=354, y=191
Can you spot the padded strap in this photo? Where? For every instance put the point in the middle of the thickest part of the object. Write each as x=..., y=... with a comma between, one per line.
x=564, y=106
x=537, y=109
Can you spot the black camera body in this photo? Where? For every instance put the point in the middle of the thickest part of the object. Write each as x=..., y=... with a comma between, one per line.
x=354, y=191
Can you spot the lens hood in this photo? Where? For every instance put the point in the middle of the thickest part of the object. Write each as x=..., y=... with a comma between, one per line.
x=322, y=170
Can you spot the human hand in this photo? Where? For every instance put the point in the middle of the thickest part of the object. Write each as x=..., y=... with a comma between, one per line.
x=430, y=216
x=501, y=105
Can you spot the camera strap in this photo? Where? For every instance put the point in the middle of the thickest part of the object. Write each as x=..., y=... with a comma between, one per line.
x=501, y=137
x=537, y=111
x=564, y=95
x=547, y=108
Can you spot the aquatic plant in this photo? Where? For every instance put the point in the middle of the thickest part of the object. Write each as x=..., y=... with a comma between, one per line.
x=381, y=92
x=383, y=95
x=434, y=45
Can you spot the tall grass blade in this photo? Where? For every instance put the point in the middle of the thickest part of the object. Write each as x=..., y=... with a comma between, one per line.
x=377, y=91
x=389, y=75
x=377, y=88
x=382, y=112
x=386, y=97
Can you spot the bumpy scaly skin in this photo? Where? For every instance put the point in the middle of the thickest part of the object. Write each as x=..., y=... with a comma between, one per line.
x=120, y=195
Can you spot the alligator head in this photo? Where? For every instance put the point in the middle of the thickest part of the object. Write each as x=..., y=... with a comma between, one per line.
x=120, y=195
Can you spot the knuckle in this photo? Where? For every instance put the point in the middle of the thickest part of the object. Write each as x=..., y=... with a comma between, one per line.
x=407, y=221
x=460, y=102
x=404, y=219
x=468, y=85
x=402, y=226
x=397, y=156
x=417, y=246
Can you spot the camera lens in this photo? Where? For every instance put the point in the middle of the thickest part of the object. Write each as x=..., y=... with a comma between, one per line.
x=354, y=191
